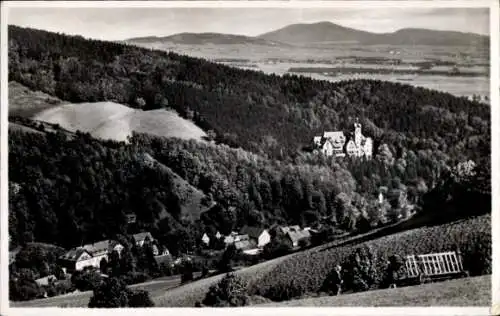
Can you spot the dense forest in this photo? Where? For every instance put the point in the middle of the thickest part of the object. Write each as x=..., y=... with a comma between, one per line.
x=432, y=149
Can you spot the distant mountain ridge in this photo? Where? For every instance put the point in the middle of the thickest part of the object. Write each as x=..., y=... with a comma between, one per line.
x=324, y=32
x=331, y=32
x=203, y=38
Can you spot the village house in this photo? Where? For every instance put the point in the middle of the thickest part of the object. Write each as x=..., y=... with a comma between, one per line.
x=205, y=239
x=46, y=280
x=336, y=144
x=294, y=234
x=141, y=238
x=260, y=236
x=89, y=255
x=131, y=218
x=231, y=238
x=243, y=242
x=240, y=241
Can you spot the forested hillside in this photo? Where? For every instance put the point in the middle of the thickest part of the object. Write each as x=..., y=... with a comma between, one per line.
x=266, y=114
x=433, y=149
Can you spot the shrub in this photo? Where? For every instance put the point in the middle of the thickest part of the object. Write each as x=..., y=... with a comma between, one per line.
x=111, y=293
x=135, y=277
x=361, y=271
x=276, y=248
x=86, y=280
x=139, y=298
x=186, y=271
x=24, y=290
x=395, y=270
x=284, y=292
x=225, y=263
x=230, y=291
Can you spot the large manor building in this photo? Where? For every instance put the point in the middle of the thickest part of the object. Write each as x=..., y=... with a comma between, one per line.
x=338, y=145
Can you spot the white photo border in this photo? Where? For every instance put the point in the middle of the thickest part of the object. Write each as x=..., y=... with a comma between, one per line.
x=494, y=309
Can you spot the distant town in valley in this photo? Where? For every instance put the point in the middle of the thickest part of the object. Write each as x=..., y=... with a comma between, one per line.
x=313, y=164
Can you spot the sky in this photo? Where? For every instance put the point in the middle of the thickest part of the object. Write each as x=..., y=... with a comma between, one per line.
x=123, y=23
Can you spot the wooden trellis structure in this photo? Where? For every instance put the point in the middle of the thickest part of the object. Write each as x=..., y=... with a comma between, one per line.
x=434, y=265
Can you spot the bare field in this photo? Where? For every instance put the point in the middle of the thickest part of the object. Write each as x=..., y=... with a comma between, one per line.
x=109, y=120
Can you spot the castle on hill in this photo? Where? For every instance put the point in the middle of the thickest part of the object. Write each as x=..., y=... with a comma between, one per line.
x=338, y=145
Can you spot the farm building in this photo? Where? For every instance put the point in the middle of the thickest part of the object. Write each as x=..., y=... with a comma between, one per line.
x=89, y=255
x=141, y=238
x=294, y=234
x=259, y=235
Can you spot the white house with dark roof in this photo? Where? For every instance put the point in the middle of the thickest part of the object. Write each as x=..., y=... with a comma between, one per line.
x=260, y=236
x=205, y=239
x=89, y=255
x=140, y=238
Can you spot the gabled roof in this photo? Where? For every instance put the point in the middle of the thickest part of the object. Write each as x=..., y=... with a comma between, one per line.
x=295, y=233
x=252, y=231
x=295, y=236
x=243, y=244
x=334, y=135
x=74, y=254
x=166, y=259
x=141, y=236
x=100, y=246
x=45, y=280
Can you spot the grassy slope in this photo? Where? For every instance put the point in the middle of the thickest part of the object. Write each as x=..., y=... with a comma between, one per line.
x=108, y=120
x=475, y=291
x=105, y=120
x=81, y=299
x=26, y=103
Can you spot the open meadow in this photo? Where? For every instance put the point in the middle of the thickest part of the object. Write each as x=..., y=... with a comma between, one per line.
x=474, y=291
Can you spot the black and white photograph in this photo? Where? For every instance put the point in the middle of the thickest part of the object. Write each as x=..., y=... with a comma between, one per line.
x=241, y=154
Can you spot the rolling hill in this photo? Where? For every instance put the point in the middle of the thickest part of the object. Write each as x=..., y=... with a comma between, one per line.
x=203, y=38
x=322, y=33
x=331, y=32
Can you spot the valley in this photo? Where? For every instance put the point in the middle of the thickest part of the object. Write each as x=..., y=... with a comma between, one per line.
x=459, y=70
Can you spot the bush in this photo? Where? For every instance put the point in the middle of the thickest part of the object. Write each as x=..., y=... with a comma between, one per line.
x=51, y=290
x=135, y=277
x=139, y=298
x=226, y=261
x=395, y=270
x=186, y=271
x=86, y=280
x=111, y=293
x=230, y=291
x=276, y=248
x=304, y=243
x=24, y=290
x=63, y=287
x=361, y=271
x=284, y=292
